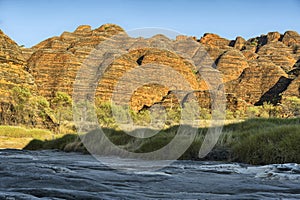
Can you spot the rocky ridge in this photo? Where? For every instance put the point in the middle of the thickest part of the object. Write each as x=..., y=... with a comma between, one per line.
x=264, y=68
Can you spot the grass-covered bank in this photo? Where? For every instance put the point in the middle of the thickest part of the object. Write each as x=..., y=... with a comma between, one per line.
x=254, y=141
x=263, y=141
x=18, y=137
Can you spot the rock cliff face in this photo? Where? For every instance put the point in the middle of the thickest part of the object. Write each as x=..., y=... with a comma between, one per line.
x=265, y=68
x=17, y=83
x=54, y=62
x=12, y=68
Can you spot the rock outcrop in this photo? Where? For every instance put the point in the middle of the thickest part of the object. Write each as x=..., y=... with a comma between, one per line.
x=16, y=86
x=155, y=89
x=210, y=39
x=279, y=54
x=55, y=61
x=12, y=68
x=260, y=69
x=231, y=64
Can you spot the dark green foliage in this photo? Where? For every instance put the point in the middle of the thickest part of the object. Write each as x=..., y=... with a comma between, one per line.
x=59, y=143
x=62, y=110
x=105, y=114
x=192, y=152
x=35, y=145
x=28, y=109
x=115, y=136
x=156, y=142
x=270, y=145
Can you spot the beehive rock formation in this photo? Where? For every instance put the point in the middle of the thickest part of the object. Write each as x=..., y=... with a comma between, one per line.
x=13, y=74
x=55, y=61
x=231, y=64
x=12, y=68
x=263, y=68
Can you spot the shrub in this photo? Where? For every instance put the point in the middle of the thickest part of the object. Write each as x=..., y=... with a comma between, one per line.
x=204, y=114
x=291, y=106
x=173, y=115
x=105, y=115
x=27, y=108
x=62, y=109
x=142, y=117
x=252, y=111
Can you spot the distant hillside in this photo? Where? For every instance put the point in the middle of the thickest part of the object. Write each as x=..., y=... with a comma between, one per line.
x=258, y=70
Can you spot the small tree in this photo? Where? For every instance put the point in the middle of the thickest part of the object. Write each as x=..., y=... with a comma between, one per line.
x=62, y=106
x=29, y=108
x=173, y=115
x=105, y=115
x=21, y=102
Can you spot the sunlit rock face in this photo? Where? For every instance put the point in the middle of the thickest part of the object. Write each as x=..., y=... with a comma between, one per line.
x=252, y=70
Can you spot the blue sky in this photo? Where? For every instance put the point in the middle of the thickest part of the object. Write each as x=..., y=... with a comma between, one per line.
x=29, y=22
